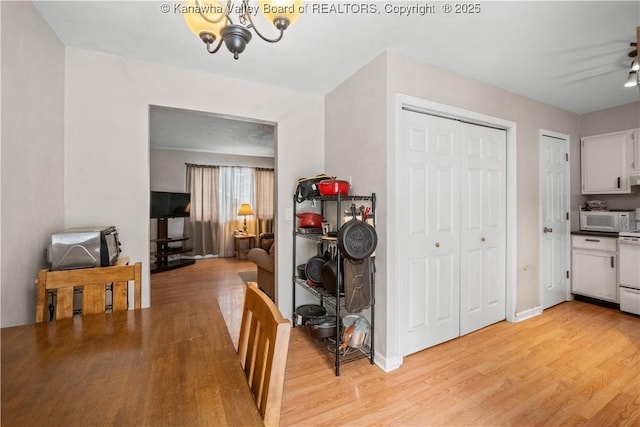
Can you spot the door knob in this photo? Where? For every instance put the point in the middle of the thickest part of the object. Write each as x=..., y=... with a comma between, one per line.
x=547, y=230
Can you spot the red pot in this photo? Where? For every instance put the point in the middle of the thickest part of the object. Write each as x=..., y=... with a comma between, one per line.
x=333, y=187
x=309, y=220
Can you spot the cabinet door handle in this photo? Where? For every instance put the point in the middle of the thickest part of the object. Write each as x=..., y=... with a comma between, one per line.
x=592, y=240
x=618, y=182
x=613, y=262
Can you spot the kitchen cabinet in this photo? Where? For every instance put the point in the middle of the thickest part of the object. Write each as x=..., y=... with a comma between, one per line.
x=605, y=163
x=634, y=171
x=594, y=267
x=333, y=205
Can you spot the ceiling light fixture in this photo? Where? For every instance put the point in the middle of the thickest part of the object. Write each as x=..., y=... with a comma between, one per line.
x=633, y=79
x=212, y=21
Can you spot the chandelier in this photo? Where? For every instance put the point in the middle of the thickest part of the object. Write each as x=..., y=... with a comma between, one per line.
x=215, y=22
x=634, y=75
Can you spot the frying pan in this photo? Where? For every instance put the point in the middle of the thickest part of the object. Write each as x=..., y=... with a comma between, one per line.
x=313, y=268
x=357, y=239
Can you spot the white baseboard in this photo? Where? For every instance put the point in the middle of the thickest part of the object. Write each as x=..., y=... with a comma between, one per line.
x=527, y=314
x=387, y=364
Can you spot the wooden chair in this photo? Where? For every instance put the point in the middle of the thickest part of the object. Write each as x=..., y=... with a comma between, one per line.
x=262, y=348
x=93, y=282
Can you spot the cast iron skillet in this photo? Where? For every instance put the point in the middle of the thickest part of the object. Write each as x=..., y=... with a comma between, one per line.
x=357, y=239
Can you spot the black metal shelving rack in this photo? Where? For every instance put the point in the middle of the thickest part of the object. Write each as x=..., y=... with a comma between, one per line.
x=336, y=302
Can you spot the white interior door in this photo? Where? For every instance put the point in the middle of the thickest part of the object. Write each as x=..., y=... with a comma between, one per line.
x=483, y=227
x=429, y=254
x=554, y=211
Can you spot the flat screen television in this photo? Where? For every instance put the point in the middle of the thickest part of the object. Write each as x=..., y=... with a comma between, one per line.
x=166, y=204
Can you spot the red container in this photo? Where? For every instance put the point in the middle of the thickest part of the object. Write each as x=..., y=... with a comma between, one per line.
x=310, y=220
x=333, y=187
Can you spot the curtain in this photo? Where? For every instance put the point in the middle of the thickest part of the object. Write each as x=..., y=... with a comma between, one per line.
x=264, y=190
x=216, y=195
x=236, y=188
x=203, y=224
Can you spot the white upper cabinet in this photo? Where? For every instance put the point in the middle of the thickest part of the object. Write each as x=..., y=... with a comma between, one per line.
x=635, y=153
x=606, y=163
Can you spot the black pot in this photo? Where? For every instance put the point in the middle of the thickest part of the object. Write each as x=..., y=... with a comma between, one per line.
x=301, y=271
x=308, y=312
x=324, y=327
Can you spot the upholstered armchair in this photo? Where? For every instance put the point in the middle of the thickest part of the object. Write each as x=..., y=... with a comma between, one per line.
x=264, y=258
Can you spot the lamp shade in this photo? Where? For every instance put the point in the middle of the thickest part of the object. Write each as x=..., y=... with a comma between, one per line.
x=278, y=9
x=245, y=209
x=205, y=16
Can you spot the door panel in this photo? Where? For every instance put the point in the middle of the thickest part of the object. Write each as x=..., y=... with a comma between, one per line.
x=554, y=244
x=483, y=235
x=451, y=179
x=429, y=250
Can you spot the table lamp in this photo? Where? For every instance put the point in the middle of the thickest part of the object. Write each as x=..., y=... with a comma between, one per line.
x=245, y=209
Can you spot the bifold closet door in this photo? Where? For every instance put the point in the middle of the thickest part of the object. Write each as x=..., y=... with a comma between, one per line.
x=429, y=182
x=452, y=195
x=483, y=227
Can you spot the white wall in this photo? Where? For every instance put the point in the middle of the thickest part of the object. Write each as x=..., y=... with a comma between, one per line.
x=32, y=154
x=168, y=167
x=611, y=120
x=107, y=142
x=359, y=103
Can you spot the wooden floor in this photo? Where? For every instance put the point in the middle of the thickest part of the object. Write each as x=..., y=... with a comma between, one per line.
x=577, y=364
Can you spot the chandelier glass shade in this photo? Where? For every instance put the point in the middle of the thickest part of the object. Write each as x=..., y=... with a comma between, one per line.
x=231, y=23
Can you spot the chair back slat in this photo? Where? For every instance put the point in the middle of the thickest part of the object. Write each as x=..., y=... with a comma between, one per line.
x=120, y=296
x=94, y=298
x=64, y=303
x=94, y=282
x=262, y=350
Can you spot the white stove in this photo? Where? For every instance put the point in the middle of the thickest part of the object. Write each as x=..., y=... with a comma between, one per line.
x=629, y=269
x=630, y=233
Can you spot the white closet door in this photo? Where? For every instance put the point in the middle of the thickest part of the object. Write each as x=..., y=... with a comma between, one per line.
x=430, y=254
x=483, y=227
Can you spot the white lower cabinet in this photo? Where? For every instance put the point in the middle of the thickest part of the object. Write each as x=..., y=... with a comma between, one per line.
x=594, y=267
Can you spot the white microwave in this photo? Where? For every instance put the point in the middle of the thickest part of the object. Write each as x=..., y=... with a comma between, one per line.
x=608, y=221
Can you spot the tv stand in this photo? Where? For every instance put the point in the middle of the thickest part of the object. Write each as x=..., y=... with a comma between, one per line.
x=164, y=250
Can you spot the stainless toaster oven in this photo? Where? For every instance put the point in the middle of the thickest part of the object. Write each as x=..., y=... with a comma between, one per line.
x=83, y=248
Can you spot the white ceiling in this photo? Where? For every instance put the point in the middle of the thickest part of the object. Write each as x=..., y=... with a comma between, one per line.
x=572, y=55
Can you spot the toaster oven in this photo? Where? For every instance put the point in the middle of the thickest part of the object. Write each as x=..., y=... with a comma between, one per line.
x=83, y=248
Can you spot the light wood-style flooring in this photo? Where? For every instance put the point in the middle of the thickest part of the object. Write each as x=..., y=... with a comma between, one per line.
x=577, y=364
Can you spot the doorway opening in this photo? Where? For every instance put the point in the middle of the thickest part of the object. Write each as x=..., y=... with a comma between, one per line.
x=243, y=149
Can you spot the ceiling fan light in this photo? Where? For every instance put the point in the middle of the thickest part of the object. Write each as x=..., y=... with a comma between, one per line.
x=635, y=64
x=632, y=80
x=281, y=13
x=205, y=17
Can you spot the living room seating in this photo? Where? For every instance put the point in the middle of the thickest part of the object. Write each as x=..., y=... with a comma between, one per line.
x=264, y=258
